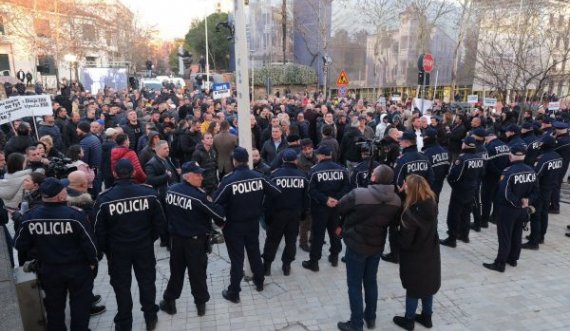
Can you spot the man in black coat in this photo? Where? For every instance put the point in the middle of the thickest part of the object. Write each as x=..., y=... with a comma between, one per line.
x=456, y=136
x=134, y=129
x=206, y=157
x=274, y=145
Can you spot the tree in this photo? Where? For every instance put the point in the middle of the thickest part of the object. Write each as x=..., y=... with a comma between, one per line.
x=218, y=42
x=284, y=28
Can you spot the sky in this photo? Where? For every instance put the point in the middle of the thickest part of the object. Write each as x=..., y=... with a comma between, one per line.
x=172, y=18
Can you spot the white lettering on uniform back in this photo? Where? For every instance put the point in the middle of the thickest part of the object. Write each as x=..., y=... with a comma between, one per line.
x=290, y=182
x=525, y=178
x=474, y=164
x=247, y=187
x=330, y=176
x=50, y=228
x=128, y=206
x=179, y=201
x=553, y=165
x=417, y=167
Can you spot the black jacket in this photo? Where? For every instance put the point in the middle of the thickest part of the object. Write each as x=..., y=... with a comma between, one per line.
x=456, y=138
x=420, y=263
x=188, y=142
x=157, y=177
x=106, y=170
x=18, y=144
x=134, y=132
x=269, y=152
x=366, y=213
x=208, y=161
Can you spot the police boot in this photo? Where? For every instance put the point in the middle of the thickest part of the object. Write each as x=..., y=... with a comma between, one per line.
x=267, y=268
x=449, y=242
x=347, y=326
x=305, y=247
x=286, y=269
x=230, y=297
x=404, y=323
x=475, y=227
x=529, y=245
x=495, y=266
x=311, y=265
x=390, y=257
x=424, y=320
x=151, y=323
x=168, y=306
x=484, y=224
x=201, y=308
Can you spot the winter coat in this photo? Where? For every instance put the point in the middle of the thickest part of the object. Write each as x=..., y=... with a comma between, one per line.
x=11, y=188
x=18, y=144
x=367, y=212
x=420, y=263
x=157, y=176
x=188, y=142
x=225, y=142
x=134, y=132
x=106, y=170
x=55, y=133
x=118, y=153
x=208, y=161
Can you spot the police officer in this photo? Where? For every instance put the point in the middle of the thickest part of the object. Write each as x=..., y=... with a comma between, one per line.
x=464, y=176
x=497, y=161
x=409, y=162
x=439, y=158
x=129, y=219
x=517, y=190
x=527, y=133
x=548, y=168
x=562, y=148
x=479, y=135
x=241, y=193
x=328, y=182
x=512, y=133
x=189, y=215
x=390, y=149
x=286, y=212
x=67, y=254
x=360, y=173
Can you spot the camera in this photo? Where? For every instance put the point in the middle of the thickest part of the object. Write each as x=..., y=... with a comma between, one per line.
x=59, y=167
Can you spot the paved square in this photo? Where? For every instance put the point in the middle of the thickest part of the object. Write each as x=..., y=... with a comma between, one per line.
x=533, y=296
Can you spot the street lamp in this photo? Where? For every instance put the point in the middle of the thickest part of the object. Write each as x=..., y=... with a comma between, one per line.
x=71, y=59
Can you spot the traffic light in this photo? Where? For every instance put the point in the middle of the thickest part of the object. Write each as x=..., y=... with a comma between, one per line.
x=421, y=78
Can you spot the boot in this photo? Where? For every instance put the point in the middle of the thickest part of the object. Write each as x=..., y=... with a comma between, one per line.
x=151, y=323
x=390, y=257
x=449, y=242
x=267, y=268
x=475, y=227
x=311, y=265
x=529, y=245
x=494, y=266
x=230, y=297
x=347, y=326
x=201, y=308
x=333, y=259
x=168, y=306
x=404, y=323
x=424, y=320
x=305, y=247
x=286, y=269
x=465, y=239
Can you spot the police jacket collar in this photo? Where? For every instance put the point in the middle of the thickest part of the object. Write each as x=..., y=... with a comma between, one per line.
x=412, y=148
x=188, y=184
x=241, y=167
x=429, y=145
x=123, y=181
x=289, y=165
x=468, y=150
x=55, y=204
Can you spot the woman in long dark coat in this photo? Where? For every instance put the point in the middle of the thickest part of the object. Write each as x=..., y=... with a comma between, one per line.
x=420, y=264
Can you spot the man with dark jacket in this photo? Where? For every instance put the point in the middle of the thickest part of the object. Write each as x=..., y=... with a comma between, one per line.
x=456, y=136
x=69, y=131
x=206, y=157
x=134, y=129
x=106, y=147
x=305, y=161
x=273, y=145
x=190, y=139
x=22, y=140
x=366, y=213
x=48, y=127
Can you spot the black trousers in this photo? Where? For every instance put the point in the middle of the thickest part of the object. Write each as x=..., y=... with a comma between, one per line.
x=284, y=223
x=122, y=260
x=188, y=253
x=460, y=205
x=57, y=281
x=476, y=206
x=324, y=219
x=488, y=191
x=539, y=220
x=555, y=199
x=237, y=237
x=509, y=231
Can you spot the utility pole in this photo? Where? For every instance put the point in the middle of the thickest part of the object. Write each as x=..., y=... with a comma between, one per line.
x=207, y=54
x=242, y=79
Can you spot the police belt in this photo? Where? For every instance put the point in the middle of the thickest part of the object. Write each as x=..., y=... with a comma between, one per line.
x=195, y=237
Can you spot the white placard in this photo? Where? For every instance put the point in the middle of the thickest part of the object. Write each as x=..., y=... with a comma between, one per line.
x=382, y=101
x=473, y=99
x=396, y=98
x=427, y=104
x=554, y=105
x=18, y=107
x=489, y=102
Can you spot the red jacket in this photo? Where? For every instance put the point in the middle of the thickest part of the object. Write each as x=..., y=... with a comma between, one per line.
x=118, y=153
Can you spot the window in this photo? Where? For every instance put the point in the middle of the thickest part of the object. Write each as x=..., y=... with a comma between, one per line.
x=41, y=27
x=4, y=64
x=48, y=64
x=89, y=33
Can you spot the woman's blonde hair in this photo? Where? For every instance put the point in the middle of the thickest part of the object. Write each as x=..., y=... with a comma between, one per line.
x=418, y=190
x=48, y=141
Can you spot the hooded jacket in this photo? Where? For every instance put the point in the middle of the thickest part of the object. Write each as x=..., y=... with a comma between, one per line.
x=366, y=214
x=118, y=153
x=11, y=188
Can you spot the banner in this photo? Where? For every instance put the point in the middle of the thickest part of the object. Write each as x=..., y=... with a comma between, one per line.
x=554, y=105
x=472, y=99
x=489, y=102
x=427, y=104
x=19, y=107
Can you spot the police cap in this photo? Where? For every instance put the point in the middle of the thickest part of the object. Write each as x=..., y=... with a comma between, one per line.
x=558, y=125
x=513, y=128
x=240, y=154
x=324, y=150
x=289, y=155
x=527, y=126
x=51, y=187
x=548, y=141
x=306, y=142
x=191, y=166
x=408, y=135
x=124, y=168
x=430, y=133
x=480, y=132
x=518, y=150
x=470, y=142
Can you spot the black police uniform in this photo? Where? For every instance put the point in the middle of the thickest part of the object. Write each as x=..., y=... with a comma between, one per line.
x=66, y=249
x=497, y=161
x=326, y=179
x=548, y=168
x=412, y=162
x=360, y=173
x=562, y=148
x=464, y=176
x=189, y=215
x=476, y=209
x=517, y=182
x=439, y=158
x=286, y=213
x=129, y=218
x=241, y=193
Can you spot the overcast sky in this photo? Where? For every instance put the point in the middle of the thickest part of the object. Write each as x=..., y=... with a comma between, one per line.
x=172, y=17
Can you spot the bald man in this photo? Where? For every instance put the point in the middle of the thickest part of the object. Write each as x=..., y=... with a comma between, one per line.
x=77, y=196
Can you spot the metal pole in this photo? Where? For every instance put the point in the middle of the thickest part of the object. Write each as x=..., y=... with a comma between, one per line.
x=180, y=61
x=435, y=87
x=207, y=53
x=423, y=91
x=252, y=76
x=242, y=81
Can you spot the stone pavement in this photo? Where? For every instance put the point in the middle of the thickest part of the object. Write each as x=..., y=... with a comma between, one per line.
x=533, y=296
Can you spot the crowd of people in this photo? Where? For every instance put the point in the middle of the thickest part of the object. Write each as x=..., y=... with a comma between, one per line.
x=109, y=173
